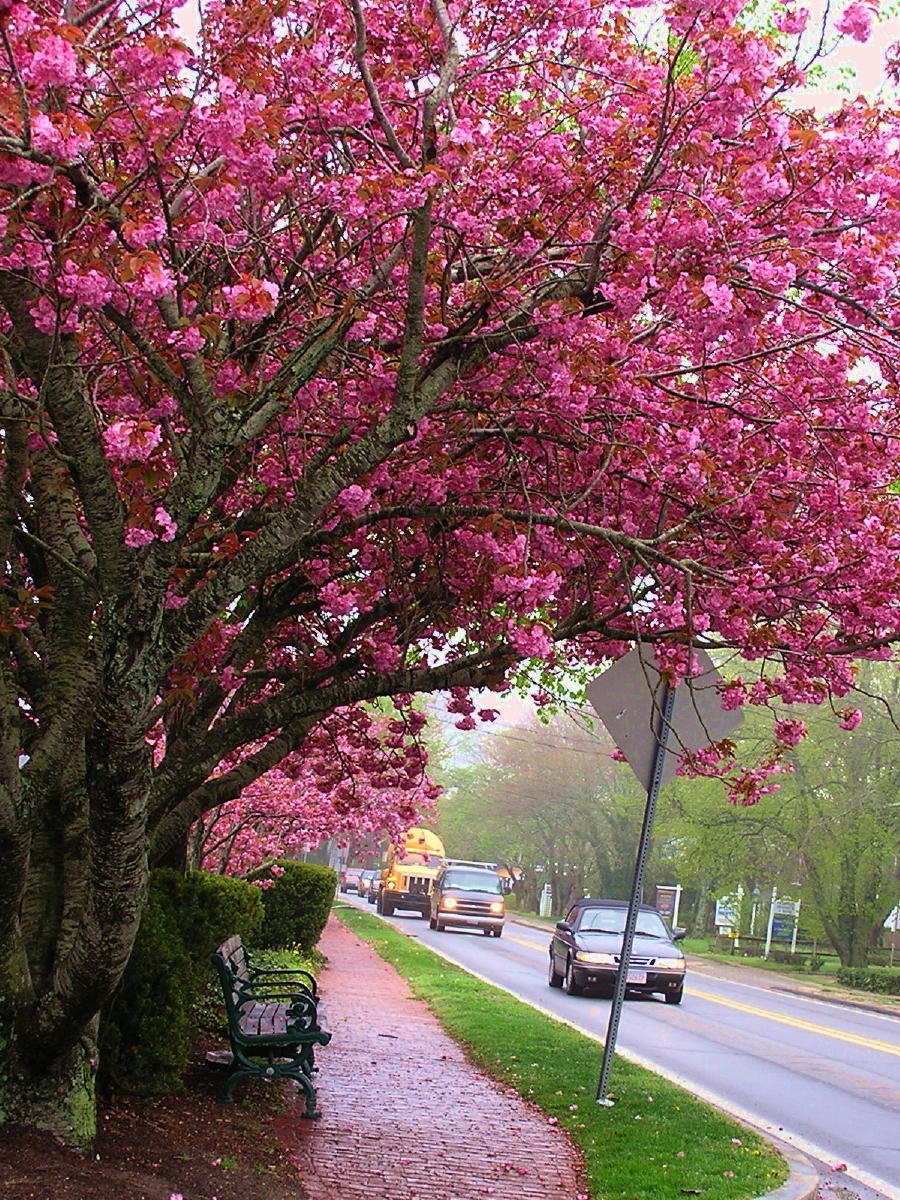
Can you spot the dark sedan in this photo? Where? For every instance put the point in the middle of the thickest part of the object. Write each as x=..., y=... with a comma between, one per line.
x=586, y=947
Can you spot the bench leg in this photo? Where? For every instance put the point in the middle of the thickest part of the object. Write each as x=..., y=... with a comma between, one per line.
x=245, y=1068
x=233, y=1079
x=311, y=1112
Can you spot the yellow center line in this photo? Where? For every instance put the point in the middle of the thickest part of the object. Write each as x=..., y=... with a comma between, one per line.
x=509, y=937
x=839, y=1035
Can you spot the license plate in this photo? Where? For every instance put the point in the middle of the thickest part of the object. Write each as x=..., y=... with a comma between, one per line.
x=636, y=977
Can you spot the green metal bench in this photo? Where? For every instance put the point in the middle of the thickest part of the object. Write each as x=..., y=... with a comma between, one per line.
x=273, y=1026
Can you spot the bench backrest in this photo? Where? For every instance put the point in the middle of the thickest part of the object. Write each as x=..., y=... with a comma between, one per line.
x=230, y=979
x=241, y=1005
x=234, y=956
x=235, y=953
x=237, y=987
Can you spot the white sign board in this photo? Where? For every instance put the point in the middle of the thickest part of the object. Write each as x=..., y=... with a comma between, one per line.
x=628, y=697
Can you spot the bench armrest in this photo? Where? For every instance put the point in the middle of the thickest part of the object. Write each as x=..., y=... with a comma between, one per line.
x=294, y=1000
x=308, y=980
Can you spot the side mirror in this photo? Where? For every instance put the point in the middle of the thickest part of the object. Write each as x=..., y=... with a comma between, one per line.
x=678, y=934
x=563, y=926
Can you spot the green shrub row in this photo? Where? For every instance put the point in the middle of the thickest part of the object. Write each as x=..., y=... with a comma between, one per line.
x=298, y=901
x=169, y=994
x=885, y=980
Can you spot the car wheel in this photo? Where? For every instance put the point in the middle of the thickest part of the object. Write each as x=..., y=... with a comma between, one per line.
x=553, y=976
x=675, y=997
x=497, y=930
x=570, y=987
x=387, y=908
x=486, y=931
x=432, y=923
x=439, y=926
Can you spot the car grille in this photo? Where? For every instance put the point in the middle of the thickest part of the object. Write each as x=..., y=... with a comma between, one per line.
x=639, y=960
x=473, y=908
x=418, y=885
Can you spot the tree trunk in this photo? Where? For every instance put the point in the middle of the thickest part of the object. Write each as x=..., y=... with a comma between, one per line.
x=68, y=942
x=177, y=856
x=60, y=1098
x=700, y=923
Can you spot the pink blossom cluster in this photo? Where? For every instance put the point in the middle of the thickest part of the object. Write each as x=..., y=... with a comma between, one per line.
x=357, y=774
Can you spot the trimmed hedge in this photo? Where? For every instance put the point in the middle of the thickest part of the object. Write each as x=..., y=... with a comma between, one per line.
x=884, y=980
x=297, y=900
x=148, y=1030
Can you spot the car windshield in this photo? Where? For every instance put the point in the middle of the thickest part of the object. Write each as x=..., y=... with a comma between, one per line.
x=612, y=920
x=473, y=881
x=413, y=858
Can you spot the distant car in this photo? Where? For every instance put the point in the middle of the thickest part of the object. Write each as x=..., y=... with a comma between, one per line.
x=468, y=896
x=586, y=947
x=366, y=879
x=350, y=879
x=374, y=889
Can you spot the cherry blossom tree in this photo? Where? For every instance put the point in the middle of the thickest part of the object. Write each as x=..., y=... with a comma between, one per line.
x=354, y=776
x=358, y=350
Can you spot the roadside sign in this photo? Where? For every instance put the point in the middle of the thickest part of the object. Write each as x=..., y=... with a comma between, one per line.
x=784, y=920
x=728, y=912
x=653, y=724
x=628, y=699
x=668, y=899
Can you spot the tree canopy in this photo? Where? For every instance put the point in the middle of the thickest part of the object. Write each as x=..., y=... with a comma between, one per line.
x=830, y=832
x=355, y=350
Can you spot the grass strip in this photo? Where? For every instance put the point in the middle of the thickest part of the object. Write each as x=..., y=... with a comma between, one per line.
x=658, y=1142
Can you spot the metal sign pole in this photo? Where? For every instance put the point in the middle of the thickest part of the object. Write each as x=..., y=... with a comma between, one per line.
x=668, y=704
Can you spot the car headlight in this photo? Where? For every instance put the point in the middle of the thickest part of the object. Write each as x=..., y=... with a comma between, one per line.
x=589, y=956
x=496, y=906
x=669, y=964
x=448, y=902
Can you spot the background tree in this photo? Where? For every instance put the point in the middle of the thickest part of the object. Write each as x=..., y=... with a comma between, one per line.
x=831, y=832
x=548, y=799
x=841, y=818
x=358, y=351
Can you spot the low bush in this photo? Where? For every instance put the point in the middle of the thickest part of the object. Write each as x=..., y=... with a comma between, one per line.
x=147, y=1031
x=213, y=907
x=297, y=903
x=785, y=956
x=884, y=980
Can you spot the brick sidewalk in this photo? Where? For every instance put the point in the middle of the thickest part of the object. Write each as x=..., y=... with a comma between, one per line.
x=404, y=1115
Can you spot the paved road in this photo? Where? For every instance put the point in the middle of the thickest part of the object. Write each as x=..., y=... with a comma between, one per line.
x=823, y=1076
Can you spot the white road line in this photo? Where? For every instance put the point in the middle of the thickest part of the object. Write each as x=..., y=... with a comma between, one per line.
x=851, y=1172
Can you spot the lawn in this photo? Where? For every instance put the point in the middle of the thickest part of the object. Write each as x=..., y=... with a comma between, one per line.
x=657, y=1142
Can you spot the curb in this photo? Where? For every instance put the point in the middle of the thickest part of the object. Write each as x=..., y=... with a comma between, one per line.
x=803, y=1181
